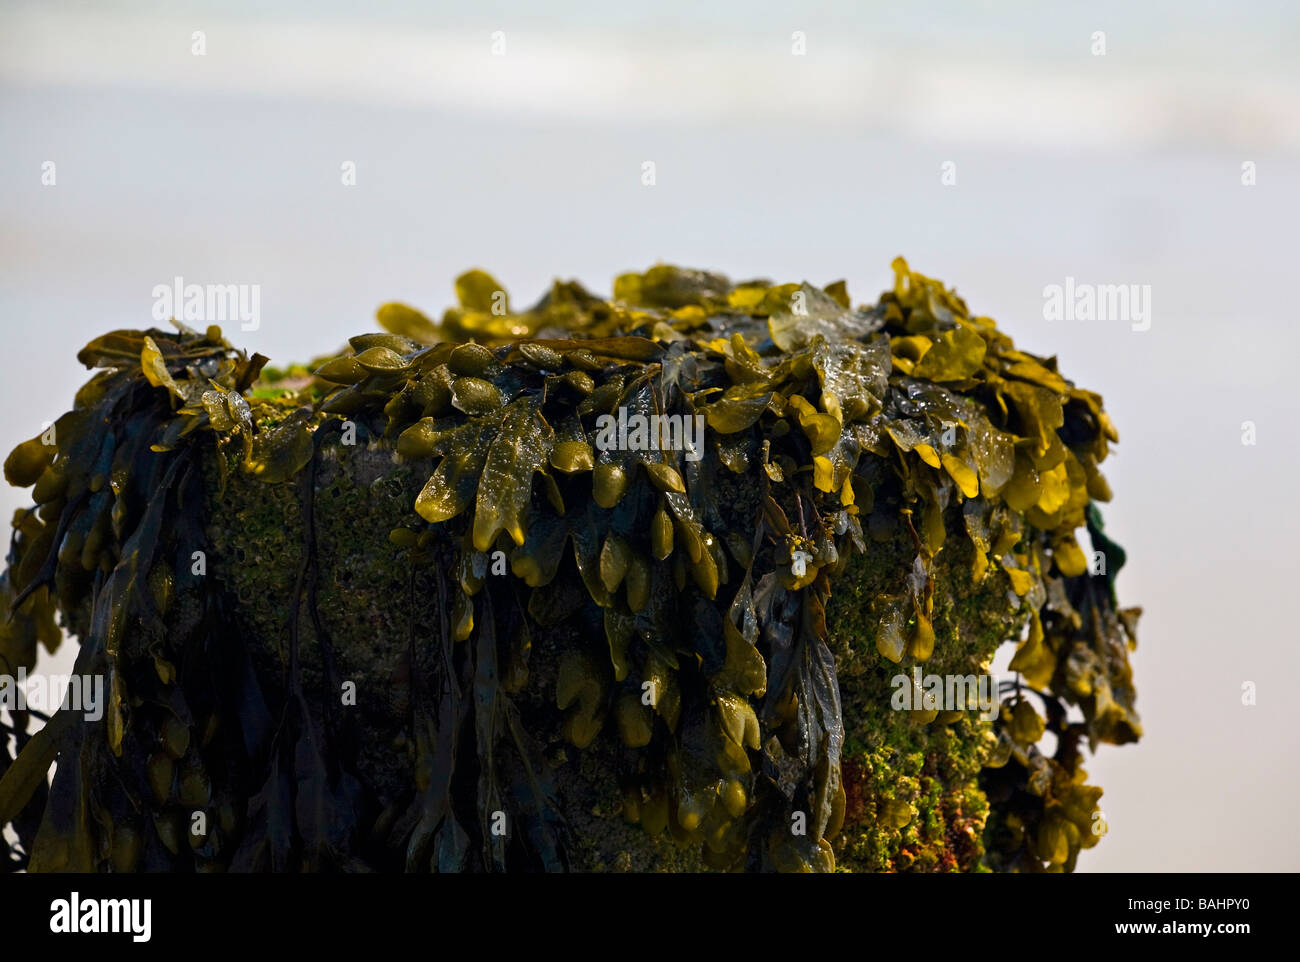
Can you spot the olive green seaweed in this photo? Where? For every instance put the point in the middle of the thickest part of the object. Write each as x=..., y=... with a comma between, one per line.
x=878, y=488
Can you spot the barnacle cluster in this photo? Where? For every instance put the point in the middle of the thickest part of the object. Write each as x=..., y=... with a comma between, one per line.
x=682, y=592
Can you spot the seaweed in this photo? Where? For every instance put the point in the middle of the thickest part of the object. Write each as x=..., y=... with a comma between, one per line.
x=708, y=568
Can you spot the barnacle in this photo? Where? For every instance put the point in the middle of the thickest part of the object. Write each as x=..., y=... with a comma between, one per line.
x=706, y=603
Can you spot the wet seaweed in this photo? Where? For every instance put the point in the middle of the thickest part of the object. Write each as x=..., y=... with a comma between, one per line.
x=709, y=571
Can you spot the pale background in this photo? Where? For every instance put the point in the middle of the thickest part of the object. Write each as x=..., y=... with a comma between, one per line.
x=1117, y=169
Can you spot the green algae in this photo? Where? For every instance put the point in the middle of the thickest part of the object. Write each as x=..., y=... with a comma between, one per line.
x=878, y=487
x=927, y=772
